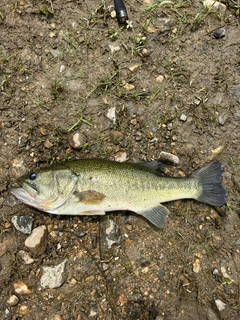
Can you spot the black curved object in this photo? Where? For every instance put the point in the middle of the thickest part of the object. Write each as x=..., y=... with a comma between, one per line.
x=121, y=11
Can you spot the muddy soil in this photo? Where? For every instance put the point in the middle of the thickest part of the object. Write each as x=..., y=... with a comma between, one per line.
x=76, y=84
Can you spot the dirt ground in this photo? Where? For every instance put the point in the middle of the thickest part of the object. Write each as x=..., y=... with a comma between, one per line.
x=162, y=82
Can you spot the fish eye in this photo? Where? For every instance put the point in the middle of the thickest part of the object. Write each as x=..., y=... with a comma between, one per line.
x=32, y=176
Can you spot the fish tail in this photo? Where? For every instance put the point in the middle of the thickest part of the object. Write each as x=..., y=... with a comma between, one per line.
x=210, y=178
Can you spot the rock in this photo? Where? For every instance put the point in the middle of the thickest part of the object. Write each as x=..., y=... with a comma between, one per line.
x=145, y=52
x=77, y=140
x=53, y=277
x=220, y=33
x=18, y=168
x=168, y=157
x=48, y=144
x=12, y=300
x=128, y=86
x=113, y=14
x=220, y=305
x=183, y=117
x=21, y=288
x=23, y=310
x=222, y=118
x=112, y=233
x=43, y=131
x=111, y=114
x=116, y=137
x=215, y=5
x=134, y=67
x=37, y=241
x=62, y=68
x=72, y=282
x=23, y=223
x=113, y=49
x=121, y=157
x=196, y=265
x=145, y=270
x=144, y=263
x=25, y=256
x=160, y=79
x=80, y=234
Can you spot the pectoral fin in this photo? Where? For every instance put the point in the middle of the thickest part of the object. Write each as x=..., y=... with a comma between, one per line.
x=157, y=215
x=89, y=197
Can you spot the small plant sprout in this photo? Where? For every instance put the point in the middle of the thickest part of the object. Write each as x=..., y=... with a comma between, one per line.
x=129, y=24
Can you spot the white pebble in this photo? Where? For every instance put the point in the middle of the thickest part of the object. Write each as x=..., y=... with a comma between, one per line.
x=220, y=305
x=183, y=117
x=12, y=300
x=111, y=114
x=55, y=276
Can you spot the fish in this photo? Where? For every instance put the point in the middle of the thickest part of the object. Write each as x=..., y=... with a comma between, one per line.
x=96, y=186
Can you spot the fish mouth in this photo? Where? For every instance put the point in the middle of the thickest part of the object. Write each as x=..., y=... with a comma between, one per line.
x=28, y=195
x=25, y=195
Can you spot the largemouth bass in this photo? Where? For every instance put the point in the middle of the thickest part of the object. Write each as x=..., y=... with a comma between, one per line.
x=95, y=186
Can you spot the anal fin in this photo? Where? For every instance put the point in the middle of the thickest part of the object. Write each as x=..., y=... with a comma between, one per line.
x=156, y=215
x=93, y=212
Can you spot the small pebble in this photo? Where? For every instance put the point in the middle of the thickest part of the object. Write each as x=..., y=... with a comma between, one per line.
x=220, y=305
x=121, y=157
x=23, y=223
x=183, y=117
x=53, y=277
x=77, y=140
x=113, y=14
x=134, y=67
x=112, y=233
x=116, y=137
x=62, y=68
x=43, y=131
x=79, y=234
x=220, y=33
x=111, y=114
x=72, y=282
x=160, y=79
x=128, y=86
x=23, y=310
x=196, y=266
x=18, y=168
x=21, y=288
x=37, y=241
x=222, y=119
x=168, y=157
x=145, y=52
x=145, y=270
x=215, y=272
x=25, y=256
x=54, y=45
x=12, y=300
x=48, y=144
x=144, y=262
x=113, y=49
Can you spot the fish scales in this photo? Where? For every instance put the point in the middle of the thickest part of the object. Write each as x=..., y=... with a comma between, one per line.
x=95, y=186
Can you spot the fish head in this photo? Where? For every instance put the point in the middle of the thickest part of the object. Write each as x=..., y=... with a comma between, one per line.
x=45, y=189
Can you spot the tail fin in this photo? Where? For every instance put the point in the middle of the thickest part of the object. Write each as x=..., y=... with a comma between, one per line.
x=210, y=177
